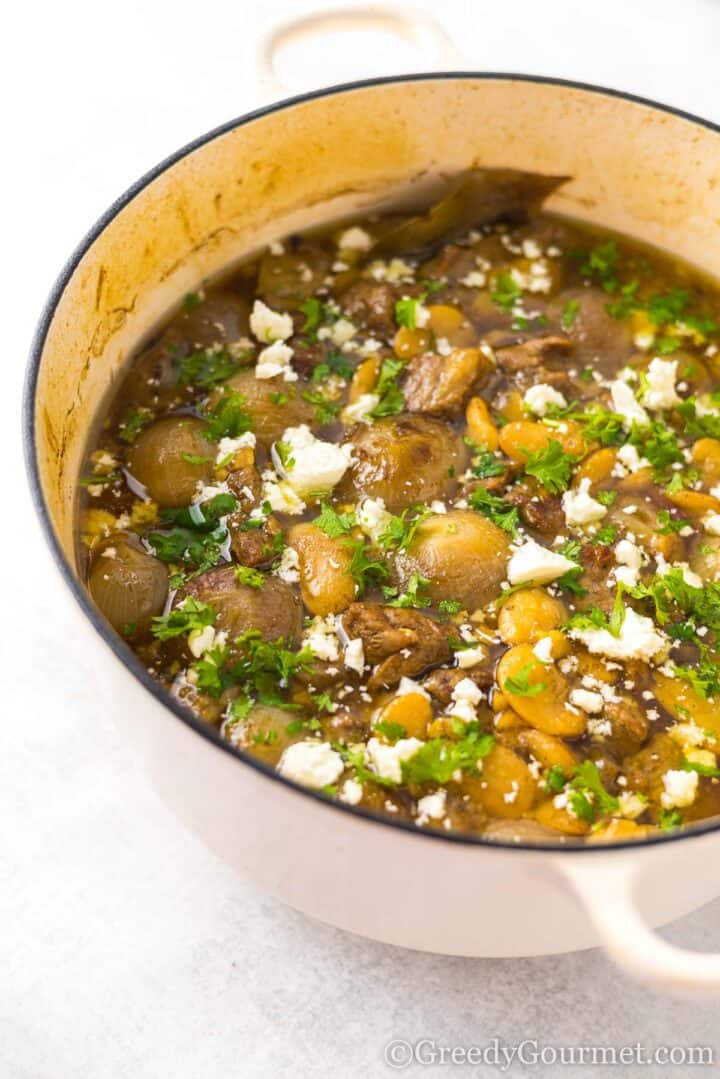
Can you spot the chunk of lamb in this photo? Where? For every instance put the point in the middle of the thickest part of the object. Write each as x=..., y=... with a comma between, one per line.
x=438, y=384
x=370, y=305
x=396, y=642
x=533, y=353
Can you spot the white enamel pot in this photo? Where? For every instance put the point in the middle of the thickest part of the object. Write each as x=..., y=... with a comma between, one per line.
x=637, y=167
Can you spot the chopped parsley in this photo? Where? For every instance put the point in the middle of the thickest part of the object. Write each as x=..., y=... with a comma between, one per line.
x=246, y=575
x=570, y=312
x=551, y=466
x=190, y=615
x=415, y=594
x=392, y=399
x=520, y=685
x=506, y=292
x=205, y=368
x=226, y=419
x=332, y=523
x=438, y=759
x=500, y=512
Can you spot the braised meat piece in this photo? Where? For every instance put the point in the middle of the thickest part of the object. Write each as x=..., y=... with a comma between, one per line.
x=441, y=682
x=532, y=353
x=400, y=642
x=371, y=306
x=441, y=384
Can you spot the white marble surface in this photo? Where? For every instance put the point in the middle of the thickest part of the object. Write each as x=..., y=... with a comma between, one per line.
x=126, y=950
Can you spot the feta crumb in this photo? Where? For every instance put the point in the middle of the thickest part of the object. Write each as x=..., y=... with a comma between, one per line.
x=432, y=806
x=275, y=360
x=373, y=518
x=315, y=764
x=680, y=789
x=312, y=465
x=638, y=639
x=201, y=640
x=629, y=559
x=587, y=701
x=470, y=657
x=580, y=507
x=711, y=523
x=409, y=685
x=228, y=447
x=342, y=331
x=540, y=398
x=474, y=279
x=624, y=402
x=360, y=411
x=355, y=239
x=386, y=761
x=632, y=805
x=351, y=792
x=269, y=325
x=288, y=568
x=280, y=495
x=543, y=650
x=321, y=638
x=660, y=387
x=533, y=562
x=354, y=657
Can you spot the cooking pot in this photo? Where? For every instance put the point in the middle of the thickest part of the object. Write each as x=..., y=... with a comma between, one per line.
x=636, y=167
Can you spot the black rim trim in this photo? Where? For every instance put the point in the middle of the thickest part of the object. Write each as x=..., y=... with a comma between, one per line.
x=115, y=643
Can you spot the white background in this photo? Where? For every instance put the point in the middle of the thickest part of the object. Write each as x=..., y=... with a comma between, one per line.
x=126, y=950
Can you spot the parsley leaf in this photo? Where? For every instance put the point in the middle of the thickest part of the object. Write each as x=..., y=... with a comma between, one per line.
x=500, y=512
x=392, y=399
x=520, y=685
x=205, y=368
x=334, y=524
x=227, y=419
x=551, y=466
x=438, y=759
x=506, y=292
x=189, y=615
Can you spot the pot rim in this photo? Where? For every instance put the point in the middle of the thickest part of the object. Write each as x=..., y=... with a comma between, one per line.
x=121, y=651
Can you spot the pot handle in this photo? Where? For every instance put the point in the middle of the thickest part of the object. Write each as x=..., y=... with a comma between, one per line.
x=607, y=891
x=410, y=23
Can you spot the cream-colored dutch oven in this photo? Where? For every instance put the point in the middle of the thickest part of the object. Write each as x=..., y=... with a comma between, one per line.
x=637, y=167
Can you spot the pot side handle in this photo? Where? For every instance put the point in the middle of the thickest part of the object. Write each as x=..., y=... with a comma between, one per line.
x=410, y=23
x=607, y=891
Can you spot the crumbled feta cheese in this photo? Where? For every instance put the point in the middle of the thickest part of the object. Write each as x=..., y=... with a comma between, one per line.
x=311, y=465
x=660, y=385
x=689, y=577
x=342, y=331
x=205, y=491
x=688, y=734
x=474, y=279
x=201, y=640
x=321, y=638
x=280, y=495
x=269, y=325
x=373, y=518
x=540, y=398
x=386, y=761
x=543, y=649
x=533, y=562
x=408, y=685
x=354, y=657
x=624, y=402
x=228, y=447
x=351, y=792
x=275, y=360
x=638, y=639
x=355, y=239
x=630, y=460
x=432, y=806
x=360, y=411
x=465, y=696
x=315, y=764
x=711, y=523
x=680, y=789
x=629, y=559
x=470, y=657
x=394, y=271
x=587, y=701
x=632, y=805
x=288, y=568
x=580, y=507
